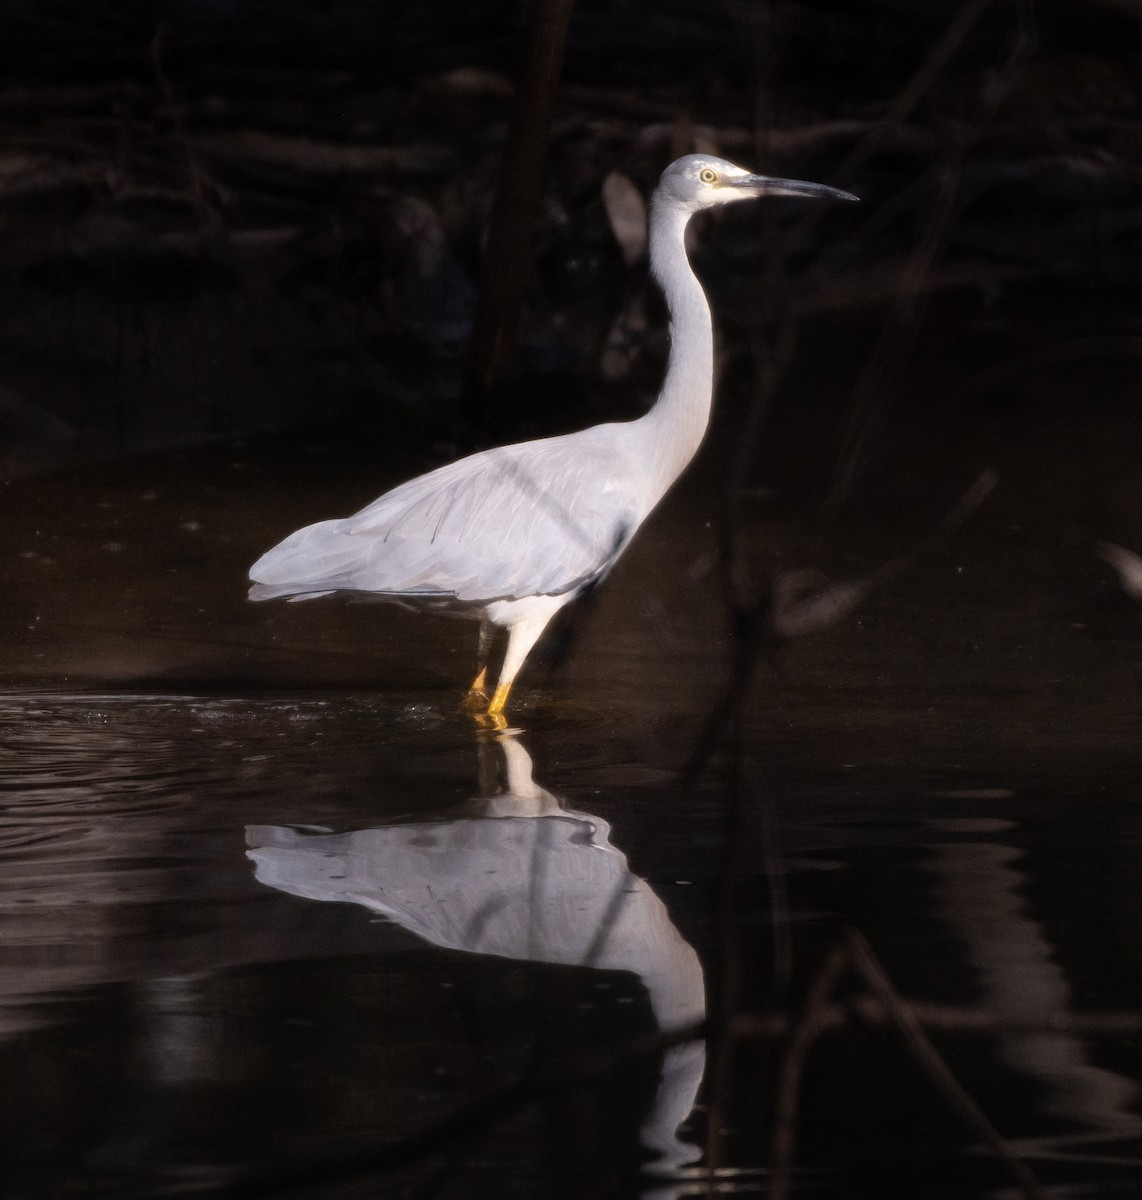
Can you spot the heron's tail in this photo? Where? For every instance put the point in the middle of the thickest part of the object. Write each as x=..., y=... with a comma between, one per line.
x=290, y=591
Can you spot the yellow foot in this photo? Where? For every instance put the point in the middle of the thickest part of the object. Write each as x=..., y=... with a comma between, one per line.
x=477, y=699
x=490, y=722
x=488, y=714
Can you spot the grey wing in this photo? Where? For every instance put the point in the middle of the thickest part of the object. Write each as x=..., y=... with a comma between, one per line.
x=538, y=518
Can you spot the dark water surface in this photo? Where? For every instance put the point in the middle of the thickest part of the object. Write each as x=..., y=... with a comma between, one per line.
x=267, y=896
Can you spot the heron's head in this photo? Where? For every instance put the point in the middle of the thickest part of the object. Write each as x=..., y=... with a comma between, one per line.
x=701, y=181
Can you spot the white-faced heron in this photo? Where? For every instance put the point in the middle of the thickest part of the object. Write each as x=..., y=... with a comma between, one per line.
x=511, y=535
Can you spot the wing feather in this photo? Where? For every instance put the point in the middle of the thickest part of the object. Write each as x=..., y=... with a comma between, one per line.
x=537, y=518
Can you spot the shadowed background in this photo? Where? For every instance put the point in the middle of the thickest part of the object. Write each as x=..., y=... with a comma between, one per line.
x=240, y=260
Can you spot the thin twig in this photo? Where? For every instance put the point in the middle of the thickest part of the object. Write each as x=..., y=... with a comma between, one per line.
x=869, y=1012
x=880, y=379
x=865, y=962
x=805, y=1033
x=912, y=93
x=177, y=114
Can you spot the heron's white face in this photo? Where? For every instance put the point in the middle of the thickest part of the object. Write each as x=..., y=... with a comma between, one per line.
x=698, y=181
x=701, y=181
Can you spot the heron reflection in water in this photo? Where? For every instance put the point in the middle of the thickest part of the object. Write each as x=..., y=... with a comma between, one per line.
x=527, y=879
x=511, y=535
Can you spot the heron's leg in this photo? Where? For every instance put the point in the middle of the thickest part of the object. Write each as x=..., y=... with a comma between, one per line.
x=521, y=637
x=477, y=696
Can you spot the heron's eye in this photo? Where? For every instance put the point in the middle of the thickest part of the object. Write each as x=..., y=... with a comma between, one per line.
x=708, y=175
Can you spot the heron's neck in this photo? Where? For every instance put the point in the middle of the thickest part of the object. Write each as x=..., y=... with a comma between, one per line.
x=677, y=423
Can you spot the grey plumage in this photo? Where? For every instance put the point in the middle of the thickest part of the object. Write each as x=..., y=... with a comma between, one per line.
x=510, y=522
x=511, y=535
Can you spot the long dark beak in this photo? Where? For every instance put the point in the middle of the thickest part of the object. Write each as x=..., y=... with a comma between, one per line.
x=764, y=185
